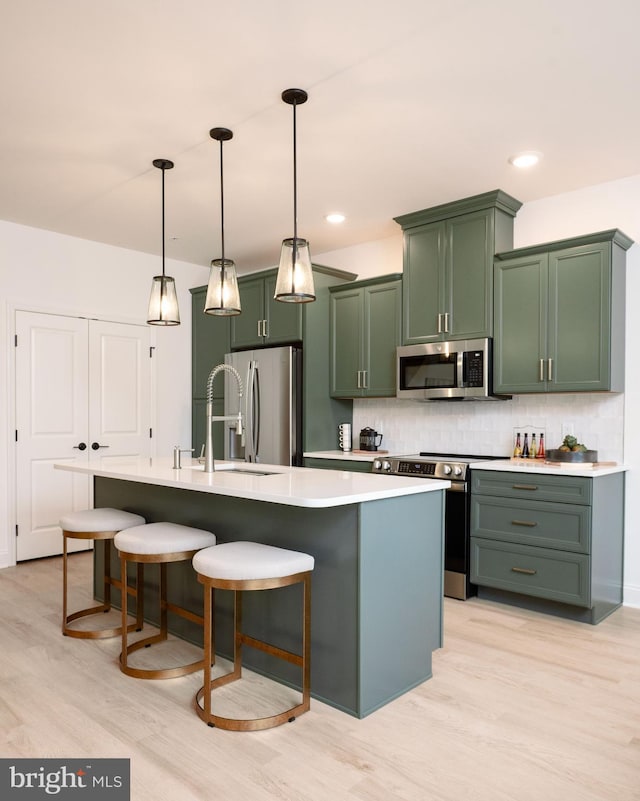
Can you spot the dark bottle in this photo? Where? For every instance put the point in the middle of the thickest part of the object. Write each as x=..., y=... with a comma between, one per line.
x=541, y=454
x=525, y=446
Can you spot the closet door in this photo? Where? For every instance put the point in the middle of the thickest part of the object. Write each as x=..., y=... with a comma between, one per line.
x=83, y=393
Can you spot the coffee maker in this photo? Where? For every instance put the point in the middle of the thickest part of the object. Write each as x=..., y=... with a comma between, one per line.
x=369, y=439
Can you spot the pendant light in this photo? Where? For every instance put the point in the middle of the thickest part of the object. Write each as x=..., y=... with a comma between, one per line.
x=223, y=296
x=163, y=303
x=295, y=278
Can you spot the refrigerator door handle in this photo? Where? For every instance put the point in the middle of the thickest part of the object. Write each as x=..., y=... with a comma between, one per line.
x=257, y=414
x=250, y=455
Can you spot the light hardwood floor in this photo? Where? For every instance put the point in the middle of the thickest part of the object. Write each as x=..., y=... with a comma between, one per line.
x=521, y=707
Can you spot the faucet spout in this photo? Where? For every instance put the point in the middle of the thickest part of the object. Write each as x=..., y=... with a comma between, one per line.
x=209, y=463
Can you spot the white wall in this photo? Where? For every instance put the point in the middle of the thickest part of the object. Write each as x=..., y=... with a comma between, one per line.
x=608, y=423
x=44, y=271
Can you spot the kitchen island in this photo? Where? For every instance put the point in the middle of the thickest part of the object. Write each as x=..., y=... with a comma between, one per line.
x=377, y=583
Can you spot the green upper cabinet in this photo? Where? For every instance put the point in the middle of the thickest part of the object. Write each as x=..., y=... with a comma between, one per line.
x=209, y=343
x=365, y=329
x=264, y=321
x=448, y=266
x=559, y=316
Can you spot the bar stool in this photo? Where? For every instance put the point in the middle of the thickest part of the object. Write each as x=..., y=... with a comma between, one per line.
x=158, y=543
x=94, y=524
x=241, y=567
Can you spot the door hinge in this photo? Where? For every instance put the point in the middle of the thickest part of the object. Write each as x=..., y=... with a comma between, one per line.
x=150, y=433
x=16, y=434
x=15, y=340
x=16, y=529
x=151, y=349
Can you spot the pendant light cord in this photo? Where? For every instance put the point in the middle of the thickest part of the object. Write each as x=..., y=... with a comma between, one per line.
x=295, y=201
x=222, y=213
x=163, y=169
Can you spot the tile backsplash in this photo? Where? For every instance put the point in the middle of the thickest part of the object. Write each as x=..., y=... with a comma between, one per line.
x=486, y=428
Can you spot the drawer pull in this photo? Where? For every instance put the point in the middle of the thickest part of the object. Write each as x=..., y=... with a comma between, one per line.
x=526, y=570
x=527, y=523
x=524, y=486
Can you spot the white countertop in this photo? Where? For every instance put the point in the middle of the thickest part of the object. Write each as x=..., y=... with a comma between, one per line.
x=551, y=469
x=290, y=486
x=345, y=456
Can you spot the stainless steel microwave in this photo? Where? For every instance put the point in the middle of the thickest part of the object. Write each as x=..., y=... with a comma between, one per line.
x=452, y=370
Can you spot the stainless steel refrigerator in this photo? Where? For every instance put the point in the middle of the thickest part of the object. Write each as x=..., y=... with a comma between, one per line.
x=271, y=403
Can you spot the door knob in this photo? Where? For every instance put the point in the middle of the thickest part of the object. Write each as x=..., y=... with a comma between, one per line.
x=96, y=445
x=81, y=446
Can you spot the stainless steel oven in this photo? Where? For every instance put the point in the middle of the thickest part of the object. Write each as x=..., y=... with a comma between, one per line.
x=457, y=545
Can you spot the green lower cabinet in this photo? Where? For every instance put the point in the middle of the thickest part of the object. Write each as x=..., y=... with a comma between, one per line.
x=339, y=464
x=365, y=330
x=548, y=542
x=559, y=313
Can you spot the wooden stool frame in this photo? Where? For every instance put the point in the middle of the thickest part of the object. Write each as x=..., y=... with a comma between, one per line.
x=301, y=660
x=108, y=581
x=165, y=608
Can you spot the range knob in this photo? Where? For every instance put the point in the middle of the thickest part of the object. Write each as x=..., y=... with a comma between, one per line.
x=446, y=469
x=386, y=465
x=457, y=470
x=377, y=464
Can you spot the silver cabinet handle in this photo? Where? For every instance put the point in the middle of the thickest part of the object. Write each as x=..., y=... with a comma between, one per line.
x=446, y=322
x=524, y=486
x=541, y=369
x=359, y=384
x=265, y=329
x=365, y=383
x=259, y=328
x=523, y=523
x=526, y=570
x=439, y=323
x=550, y=369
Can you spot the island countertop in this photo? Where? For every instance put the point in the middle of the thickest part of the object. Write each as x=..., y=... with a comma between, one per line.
x=289, y=486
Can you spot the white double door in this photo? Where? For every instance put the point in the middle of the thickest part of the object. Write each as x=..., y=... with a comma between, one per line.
x=83, y=395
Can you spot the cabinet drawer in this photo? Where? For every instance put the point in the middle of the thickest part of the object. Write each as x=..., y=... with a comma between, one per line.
x=532, y=486
x=546, y=525
x=542, y=572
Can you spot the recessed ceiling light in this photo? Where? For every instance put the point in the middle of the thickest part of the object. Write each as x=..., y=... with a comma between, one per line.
x=523, y=160
x=335, y=217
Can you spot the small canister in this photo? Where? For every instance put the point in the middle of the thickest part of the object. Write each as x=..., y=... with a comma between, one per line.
x=344, y=436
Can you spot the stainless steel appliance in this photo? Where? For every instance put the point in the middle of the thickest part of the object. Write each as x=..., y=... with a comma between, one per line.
x=457, y=545
x=452, y=370
x=272, y=406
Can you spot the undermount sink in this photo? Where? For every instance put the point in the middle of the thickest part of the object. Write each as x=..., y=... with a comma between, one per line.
x=231, y=468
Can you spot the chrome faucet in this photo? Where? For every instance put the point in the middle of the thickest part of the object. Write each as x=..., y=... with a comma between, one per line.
x=209, y=464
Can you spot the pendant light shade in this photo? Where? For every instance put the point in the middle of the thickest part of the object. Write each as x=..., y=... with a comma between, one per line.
x=294, y=283
x=223, y=297
x=163, y=303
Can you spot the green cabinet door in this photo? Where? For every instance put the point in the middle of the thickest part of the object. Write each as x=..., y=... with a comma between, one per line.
x=366, y=326
x=382, y=327
x=246, y=327
x=424, y=298
x=520, y=325
x=284, y=320
x=346, y=316
x=468, y=282
x=579, y=318
x=559, y=316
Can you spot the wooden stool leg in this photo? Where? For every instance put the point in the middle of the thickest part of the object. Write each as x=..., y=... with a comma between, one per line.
x=64, y=582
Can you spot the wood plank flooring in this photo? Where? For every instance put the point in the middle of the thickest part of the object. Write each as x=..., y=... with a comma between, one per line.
x=522, y=707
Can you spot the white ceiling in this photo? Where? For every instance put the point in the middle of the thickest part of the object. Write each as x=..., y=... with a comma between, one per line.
x=412, y=103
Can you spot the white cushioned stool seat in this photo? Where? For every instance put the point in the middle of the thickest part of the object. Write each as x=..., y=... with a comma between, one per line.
x=93, y=525
x=158, y=543
x=100, y=520
x=161, y=538
x=250, y=560
x=242, y=567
